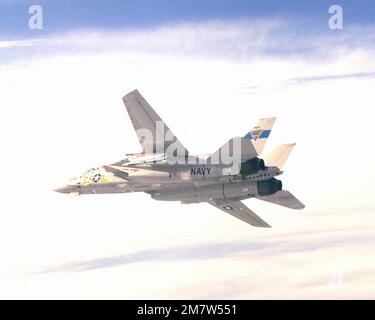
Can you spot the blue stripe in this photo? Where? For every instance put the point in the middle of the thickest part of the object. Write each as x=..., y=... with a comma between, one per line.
x=265, y=134
x=248, y=136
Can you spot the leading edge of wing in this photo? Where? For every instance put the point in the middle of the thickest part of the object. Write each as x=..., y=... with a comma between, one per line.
x=153, y=134
x=238, y=210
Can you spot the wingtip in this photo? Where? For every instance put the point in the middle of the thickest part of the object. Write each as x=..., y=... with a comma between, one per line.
x=130, y=94
x=267, y=226
x=298, y=206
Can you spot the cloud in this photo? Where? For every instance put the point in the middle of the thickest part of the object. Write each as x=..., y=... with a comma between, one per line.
x=263, y=247
x=200, y=251
x=335, y=76
x=320, y=260
x=242, y=40
x=12, y=44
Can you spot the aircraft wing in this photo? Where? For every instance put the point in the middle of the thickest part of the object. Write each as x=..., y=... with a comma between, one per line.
x=238, y=210
x=153, y=134
x=117, y=172
x=283, y=198
x=155, y=167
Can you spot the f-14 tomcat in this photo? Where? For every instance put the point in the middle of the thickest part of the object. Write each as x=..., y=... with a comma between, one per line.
x=165, y=169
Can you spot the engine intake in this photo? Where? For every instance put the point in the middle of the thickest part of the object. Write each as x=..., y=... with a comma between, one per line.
x=252, y=166
x=268, y=187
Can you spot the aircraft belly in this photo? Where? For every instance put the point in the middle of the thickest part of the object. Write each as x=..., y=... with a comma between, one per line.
x=239, y=190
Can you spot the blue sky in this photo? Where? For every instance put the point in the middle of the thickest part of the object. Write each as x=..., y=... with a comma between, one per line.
x=66, y=15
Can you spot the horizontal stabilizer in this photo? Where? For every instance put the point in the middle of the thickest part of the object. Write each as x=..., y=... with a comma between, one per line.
x=238, y=210
x=283, y=198
x=278, y=157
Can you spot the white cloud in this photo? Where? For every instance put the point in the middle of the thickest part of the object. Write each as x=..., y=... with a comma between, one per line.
x=62, y=112
x=242, y=40
x=4, y=44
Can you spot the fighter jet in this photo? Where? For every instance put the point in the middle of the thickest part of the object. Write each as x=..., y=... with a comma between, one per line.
x=165, y=170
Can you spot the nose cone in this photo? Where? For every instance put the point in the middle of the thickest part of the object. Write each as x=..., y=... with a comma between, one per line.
x=67, y=189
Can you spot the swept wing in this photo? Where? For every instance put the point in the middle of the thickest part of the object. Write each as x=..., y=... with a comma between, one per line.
x=153, y=134
x=238, y=210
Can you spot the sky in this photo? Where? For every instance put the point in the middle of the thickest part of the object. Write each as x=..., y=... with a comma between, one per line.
x=63, y=15
x=210, y=69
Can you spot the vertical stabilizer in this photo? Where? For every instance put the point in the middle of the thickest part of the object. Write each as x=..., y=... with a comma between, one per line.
x=259, y=134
